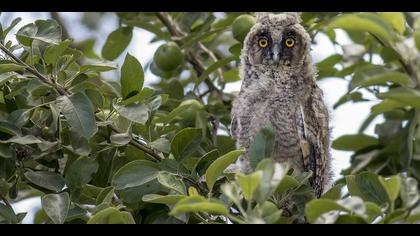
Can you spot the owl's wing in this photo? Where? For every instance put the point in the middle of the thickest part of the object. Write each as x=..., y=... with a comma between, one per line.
x=315, y=140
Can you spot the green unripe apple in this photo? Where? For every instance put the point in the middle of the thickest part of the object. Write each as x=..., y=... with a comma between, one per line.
x=168, y=57
x=192, y=110
x=241, y=26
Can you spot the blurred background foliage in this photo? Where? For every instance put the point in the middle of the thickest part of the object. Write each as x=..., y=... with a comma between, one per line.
x=100, y=143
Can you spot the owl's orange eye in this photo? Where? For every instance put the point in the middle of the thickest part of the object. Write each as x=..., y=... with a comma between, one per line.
x=263, y=42
x=290, y=42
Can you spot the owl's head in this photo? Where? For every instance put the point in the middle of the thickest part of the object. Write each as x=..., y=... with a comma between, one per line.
x=277, y=40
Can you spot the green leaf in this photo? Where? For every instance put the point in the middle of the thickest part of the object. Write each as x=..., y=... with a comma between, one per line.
x=172, y=182
x=101, y=67
x=219, y=165
x=25, y=140
x=236, y=49
x=47, y=31
x=354, y=142
x=316, y=208
x=262, y=145
x=414, y=217
x=87, y=46
x=161, y=144
x=396, y=19
x=273, y=174
x=149, y=26
x=9, y=128
x=199, y=204
x=80, y=171
x=363, y=22
x=9, y=67
x=381, y=79
x=372, y=211
x=232, y=192
x=287, y=183
x=162, y=199
x=185, y=142
x=120, y=139
x=330, y=61
x=48, y=180
x=353, y=96
x=7, y=214
x=144, y=94
x=135, y=174
x=334, y=193
x=406, y=96
x=105, y=196
x=416, y=36
x=25, y=33
x=214, y=67
x=385, y=106
x=231, y=75
x=137, y=113
x=19, y=117
x=132, y=77
x=367, y=186
x=249, y=183
x=53, y=52
x=134, y=195
x=117, y=42
x=111, y=215
x=409, y=192
x=78, y=111
x=392, y=186
x=270, y=213
x=174, y=113
x=56, y=206
x=11, y=26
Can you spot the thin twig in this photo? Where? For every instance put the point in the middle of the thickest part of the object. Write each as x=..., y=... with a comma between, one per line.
x=215, y=59
x=404, y=65
x=168, y=24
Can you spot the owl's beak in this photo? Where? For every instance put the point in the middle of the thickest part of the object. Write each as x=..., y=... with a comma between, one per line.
x=275, y=53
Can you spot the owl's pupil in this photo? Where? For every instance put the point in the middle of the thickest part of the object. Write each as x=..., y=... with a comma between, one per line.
x=289, y=42
x=263, y=43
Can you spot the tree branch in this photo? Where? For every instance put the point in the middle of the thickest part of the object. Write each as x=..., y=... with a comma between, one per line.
x=191, y=57
x=62, y=91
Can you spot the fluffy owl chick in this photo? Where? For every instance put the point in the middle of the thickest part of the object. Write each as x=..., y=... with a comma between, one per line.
x=279, y=87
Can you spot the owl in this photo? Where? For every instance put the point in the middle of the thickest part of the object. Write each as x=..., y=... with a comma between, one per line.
x=279, y=88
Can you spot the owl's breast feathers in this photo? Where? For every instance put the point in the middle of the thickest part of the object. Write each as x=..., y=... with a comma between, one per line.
x=300, y=118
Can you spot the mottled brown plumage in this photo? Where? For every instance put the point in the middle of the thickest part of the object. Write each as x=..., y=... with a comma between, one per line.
x=279, y=87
